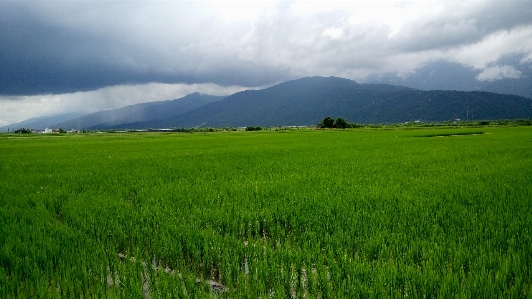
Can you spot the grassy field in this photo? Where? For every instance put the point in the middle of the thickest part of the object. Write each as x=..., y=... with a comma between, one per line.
x=421, y=213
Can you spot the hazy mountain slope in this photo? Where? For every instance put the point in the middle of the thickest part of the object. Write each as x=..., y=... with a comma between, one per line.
x=140, y=112
x=308, y=100
x=521, y=86
x=443, y=75
x=41, y=122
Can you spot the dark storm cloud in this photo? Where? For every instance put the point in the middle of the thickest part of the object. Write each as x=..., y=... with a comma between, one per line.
x=462, y=23
x=64, y=47
x=47, y=50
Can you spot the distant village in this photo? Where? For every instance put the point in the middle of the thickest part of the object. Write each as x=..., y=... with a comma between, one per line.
x=45, y=131
x=55, y=131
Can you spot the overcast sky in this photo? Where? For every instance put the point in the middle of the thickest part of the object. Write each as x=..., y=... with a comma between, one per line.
x=86, y=56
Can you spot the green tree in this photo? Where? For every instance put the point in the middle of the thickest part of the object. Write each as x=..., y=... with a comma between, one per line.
x=340, y=123
x=327, y=122
x=23, y=131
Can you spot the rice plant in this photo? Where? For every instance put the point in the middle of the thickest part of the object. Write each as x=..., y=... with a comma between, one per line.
x=304, y=214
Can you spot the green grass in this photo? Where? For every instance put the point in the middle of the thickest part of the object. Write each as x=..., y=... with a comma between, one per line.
x=331, y=214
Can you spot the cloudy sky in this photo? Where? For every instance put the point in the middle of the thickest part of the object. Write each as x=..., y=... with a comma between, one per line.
x=86, y=56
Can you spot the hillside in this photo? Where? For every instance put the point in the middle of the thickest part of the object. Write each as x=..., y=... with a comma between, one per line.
x=140, y=112
x=41, y=122
x=443, y=75
x=306, y=101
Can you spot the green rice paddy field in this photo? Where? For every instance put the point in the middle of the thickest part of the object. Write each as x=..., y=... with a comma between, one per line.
x=363, y=213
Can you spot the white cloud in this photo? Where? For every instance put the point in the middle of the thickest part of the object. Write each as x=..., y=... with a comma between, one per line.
x=498, y=72
x=238, y=11
x=493, y=47
x=333, y=32
x=526, y=59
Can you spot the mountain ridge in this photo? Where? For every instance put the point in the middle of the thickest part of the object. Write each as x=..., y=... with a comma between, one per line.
x=307, y=100
x=41, y=122
x=149, y=111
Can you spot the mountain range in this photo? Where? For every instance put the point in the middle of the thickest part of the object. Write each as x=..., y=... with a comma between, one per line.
x=41, y=122
x=307, y=101
x=151, y=111
x=444, y=75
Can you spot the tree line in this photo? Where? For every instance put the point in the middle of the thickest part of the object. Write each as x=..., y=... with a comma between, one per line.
x=339, y=123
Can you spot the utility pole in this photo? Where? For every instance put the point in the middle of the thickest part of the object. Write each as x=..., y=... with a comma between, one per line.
x=467, y=113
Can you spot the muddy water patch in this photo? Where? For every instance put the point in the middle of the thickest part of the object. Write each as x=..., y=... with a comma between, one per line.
x=453, y=134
